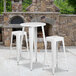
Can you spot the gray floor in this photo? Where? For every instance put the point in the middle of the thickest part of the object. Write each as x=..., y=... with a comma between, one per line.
x=9, y=67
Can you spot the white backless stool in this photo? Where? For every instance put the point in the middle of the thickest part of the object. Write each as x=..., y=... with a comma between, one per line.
x=19, y=38
x=54, y=41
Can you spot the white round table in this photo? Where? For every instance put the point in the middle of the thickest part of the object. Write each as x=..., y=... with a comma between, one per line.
x=33, y=37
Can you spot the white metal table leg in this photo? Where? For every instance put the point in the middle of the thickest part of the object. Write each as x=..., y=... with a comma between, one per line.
x=65, y=54
x=45, y=44
x=31, y=31
x=35, y=43
x=45, y=56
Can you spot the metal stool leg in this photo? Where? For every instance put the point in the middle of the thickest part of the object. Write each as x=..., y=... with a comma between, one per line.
x=57, y=55
x=21, y=40
x=11, y=41
x=26, y=42
x=11, y=45
x=18, y=47
x=53, y=57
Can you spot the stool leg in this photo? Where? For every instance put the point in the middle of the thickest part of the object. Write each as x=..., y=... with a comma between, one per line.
x=11, y=41
x=53, y=56
x=18, y=47
x=57, y=55
x=11, y=45
x=26, y=41
x=21, y=39
x=65, y=54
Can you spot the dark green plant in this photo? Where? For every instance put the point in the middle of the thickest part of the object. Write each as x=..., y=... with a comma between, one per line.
x=25, y=4
x=62, y=4
x=73, y=4
x=8, y=6
x=64, y=7
x=1, y=6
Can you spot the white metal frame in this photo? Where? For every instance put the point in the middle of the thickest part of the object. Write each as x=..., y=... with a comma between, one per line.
x=54, y=46
x=19, y=38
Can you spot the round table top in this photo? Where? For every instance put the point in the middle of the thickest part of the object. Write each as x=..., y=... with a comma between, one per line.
x=33, y=24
